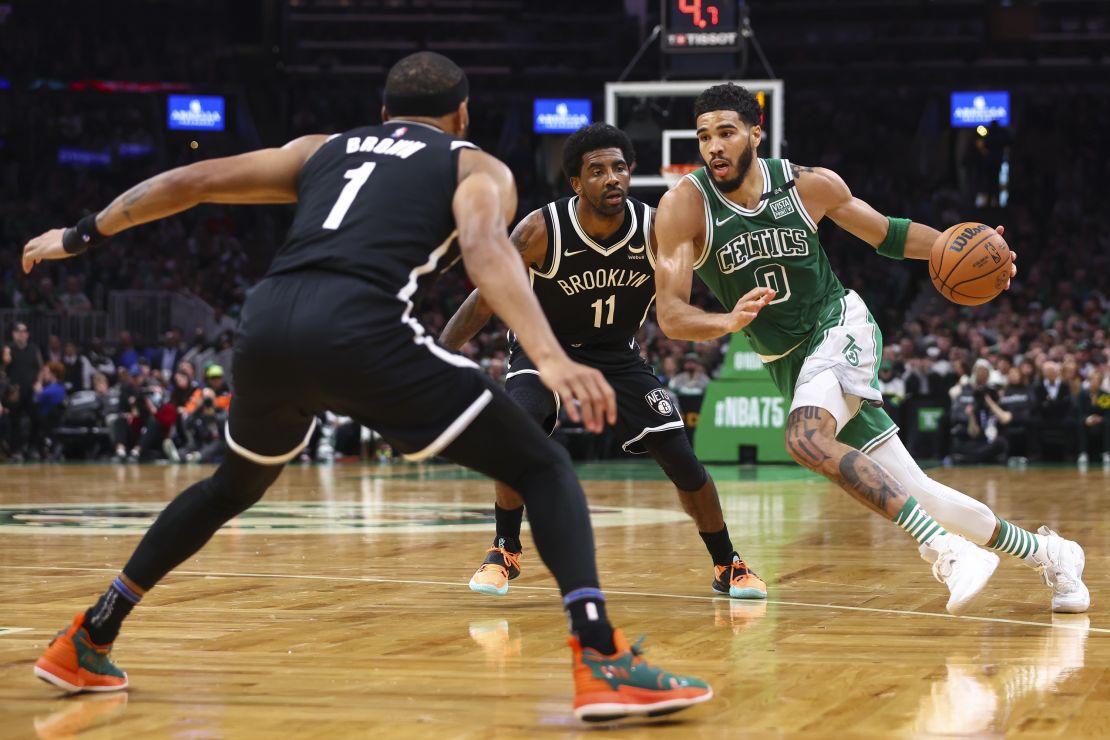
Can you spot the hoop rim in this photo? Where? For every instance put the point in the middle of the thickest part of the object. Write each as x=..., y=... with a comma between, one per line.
x=673, y=173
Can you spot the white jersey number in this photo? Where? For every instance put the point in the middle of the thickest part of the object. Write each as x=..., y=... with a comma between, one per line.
x=774, y=277
x=358, y=177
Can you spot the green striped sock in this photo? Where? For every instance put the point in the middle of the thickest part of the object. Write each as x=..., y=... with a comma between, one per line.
x=918, y=523
x=1013, y=540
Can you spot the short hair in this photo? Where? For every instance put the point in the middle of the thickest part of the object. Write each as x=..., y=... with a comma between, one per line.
x=591, y=138
x=728, y=96
x=57, y=369
x=425, y=84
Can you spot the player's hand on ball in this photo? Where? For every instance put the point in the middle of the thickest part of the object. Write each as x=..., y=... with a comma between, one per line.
x=47, y=246
x=749, y=306
x=1013, y=256
x=587, y=386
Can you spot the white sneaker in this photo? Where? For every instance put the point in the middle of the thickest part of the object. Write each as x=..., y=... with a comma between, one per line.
x=961, y=566
x=1061, y=565
x=1082, y=459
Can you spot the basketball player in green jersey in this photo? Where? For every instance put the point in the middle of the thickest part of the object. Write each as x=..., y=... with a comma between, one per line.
x=748, y=227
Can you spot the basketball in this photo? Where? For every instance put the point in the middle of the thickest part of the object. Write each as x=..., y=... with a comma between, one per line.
x=970, y=264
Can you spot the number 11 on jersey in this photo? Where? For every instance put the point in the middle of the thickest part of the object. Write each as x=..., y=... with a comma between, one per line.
x=358, y=177
x=597, y=305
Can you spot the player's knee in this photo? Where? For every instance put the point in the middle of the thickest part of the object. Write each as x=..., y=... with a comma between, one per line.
x=677, y=459
x=810, y=437
x=239, y=484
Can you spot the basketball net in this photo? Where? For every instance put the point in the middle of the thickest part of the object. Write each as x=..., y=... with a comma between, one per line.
x=673, y=173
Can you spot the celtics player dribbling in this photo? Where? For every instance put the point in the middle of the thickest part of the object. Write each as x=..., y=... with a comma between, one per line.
x=748, y=227
x=590, y=261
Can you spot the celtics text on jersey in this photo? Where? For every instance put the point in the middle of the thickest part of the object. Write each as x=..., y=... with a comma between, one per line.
x=773, y=245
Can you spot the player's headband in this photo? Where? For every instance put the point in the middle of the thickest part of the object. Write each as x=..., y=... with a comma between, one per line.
x=435, y=104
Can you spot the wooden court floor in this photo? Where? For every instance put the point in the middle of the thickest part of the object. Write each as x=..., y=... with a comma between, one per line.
x=339, y=608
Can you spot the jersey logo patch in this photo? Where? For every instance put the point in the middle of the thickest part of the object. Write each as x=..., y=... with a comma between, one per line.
x=720, y=221
x=782, y=208
x=635, y=250
x=660, y=402
x=568, y=253
x=399, y=132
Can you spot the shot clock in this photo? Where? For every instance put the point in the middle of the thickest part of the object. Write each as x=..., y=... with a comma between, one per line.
x=700, y=26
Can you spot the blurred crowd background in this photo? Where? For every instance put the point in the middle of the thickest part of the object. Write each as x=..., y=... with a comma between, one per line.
x=125, y=353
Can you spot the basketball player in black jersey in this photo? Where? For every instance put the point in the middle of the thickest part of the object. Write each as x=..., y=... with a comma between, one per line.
x=591, y=259
x=379, y=210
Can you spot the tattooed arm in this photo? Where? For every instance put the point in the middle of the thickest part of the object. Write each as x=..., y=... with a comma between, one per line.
x=530, y=239
x=262, y=176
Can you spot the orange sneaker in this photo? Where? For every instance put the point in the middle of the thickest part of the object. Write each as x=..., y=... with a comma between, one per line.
x=73, y=663
x=493, y=576
x=738, y=580
x=608, y=687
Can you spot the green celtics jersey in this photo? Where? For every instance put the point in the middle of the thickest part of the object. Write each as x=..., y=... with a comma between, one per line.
x=774, y=245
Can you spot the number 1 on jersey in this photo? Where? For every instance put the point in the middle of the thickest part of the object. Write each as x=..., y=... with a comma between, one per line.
x=358, y=177
x=611, y=302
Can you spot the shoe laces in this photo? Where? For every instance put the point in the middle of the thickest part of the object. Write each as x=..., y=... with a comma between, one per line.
x=737, y=569
x=942, y=568
x=511, y=559
x=1058, y=579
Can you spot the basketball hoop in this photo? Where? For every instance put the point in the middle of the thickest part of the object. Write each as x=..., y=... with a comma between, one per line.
x=672, y=173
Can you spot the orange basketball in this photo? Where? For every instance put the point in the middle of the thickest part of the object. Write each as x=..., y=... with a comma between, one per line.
x=970, y=264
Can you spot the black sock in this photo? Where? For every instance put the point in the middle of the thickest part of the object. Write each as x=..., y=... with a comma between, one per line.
x=719, y=546
x=103, y=619
x=588, y=620
x=508, y=527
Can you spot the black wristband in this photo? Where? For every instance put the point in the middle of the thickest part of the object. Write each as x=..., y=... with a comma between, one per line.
x=77, y=239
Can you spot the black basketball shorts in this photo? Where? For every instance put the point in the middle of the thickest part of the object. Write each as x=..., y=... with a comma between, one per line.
x=643, y=405
x=312, y=341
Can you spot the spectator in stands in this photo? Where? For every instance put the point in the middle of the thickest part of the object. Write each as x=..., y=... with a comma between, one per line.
x=125, y=423
x=126, y=354
x=1094, y=414
x=976, y=420
x=73, y=301
x=893, y=390
x=23, y=366
x=54, y=350
x=693, y=380
x=99, y=361
x=222, y=356
x=49, y=399
x=169, y=354
x=1054, y=410
x=1017, y=400
x=216, y=384
x=206, y=429
x=79, y=370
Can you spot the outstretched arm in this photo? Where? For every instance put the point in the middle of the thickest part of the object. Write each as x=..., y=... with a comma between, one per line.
x=826, y=194
x=258, y=177
x=679, y=229
x=530, y=239
x=484, y=201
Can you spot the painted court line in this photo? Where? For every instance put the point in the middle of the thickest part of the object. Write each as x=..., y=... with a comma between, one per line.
x=401, y=581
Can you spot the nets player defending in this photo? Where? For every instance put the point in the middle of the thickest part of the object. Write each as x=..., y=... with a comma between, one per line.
x=332, y=326
x=748, y=227
x=591, y=262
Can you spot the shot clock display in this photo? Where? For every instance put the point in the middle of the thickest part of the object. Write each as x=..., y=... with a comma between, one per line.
x=700, y=26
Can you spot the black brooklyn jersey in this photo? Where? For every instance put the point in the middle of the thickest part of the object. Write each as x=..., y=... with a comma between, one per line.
x=375, y=203
x=591, y=292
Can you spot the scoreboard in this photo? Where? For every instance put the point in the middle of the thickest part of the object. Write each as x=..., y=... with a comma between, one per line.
x=700, y=26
